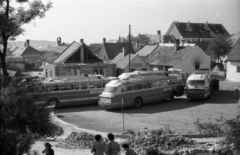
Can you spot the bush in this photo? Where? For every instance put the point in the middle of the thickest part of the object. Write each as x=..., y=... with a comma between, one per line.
x=229, y=129
x=22, y=120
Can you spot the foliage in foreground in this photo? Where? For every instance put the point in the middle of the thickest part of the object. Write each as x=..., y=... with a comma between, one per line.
x=229, y=129
x=22, y=120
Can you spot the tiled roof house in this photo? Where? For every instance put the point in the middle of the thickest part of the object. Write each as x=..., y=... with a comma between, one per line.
x=51, y=53
x=110, y=50
x=193, y=31
x=188, y=58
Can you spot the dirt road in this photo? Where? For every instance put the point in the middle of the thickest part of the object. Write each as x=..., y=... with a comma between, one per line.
x=179, y=115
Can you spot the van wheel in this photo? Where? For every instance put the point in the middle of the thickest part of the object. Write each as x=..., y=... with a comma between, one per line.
x=171, y=97
x=138, y=102
x=54, y=103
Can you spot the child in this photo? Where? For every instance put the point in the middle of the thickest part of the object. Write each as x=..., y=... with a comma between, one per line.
x=128, y=151
x=98, y=147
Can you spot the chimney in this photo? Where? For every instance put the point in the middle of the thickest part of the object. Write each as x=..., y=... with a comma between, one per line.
x=188, y=23
x=119, y=39
x=59, y=43
x=81, y=41
x=206, y=23
x=104, y=40
x=176, y=45
x=123, y=52
x=159, y=36
x=182, y=41
x=27, y=42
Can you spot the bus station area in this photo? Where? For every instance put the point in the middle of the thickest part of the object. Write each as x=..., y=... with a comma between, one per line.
x=179, y=115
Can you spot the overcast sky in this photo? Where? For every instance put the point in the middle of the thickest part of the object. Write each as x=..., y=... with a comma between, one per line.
x=93, y=20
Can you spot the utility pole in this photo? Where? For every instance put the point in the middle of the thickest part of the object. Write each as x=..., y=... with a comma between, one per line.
x=129, y=47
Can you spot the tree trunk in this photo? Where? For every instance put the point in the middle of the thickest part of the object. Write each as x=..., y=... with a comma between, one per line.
x=3, y=63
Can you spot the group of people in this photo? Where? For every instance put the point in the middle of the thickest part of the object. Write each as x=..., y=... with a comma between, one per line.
x=99, y=147
x=112, y=148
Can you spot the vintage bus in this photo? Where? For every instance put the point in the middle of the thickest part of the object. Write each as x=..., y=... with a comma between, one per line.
x=199, y=84
x=73, y=92
x=139, y=90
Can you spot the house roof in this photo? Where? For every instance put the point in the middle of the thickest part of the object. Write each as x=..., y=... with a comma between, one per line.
x=204, y=46
x=125, y=61
x=201, y=30
x=117, y=58
x=146, y=50
x=51, y=53
x=113, y=49
x=29, y=50
x=70, y=50
x=95, y=48
x=235, y=52
x=168, y=56
x=15, y=59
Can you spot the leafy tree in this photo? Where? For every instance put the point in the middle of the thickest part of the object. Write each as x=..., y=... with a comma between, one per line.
x=141, y=39
x=12, y=17
x=219, y=48
x=22, y=120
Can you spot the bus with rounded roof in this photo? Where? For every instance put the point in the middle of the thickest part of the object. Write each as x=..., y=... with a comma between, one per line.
x=135, y=91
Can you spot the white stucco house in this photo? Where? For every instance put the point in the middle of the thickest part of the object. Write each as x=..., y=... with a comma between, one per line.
x=233, y=63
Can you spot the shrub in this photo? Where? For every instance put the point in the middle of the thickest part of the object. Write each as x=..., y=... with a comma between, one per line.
x=229, y=129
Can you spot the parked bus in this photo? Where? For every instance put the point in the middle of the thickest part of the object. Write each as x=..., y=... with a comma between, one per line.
x=199, y=84
x=140, y=90
x=73, y=92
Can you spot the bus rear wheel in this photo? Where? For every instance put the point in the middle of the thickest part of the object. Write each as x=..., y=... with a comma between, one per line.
x=54, y=103
x=171, y=97
x=138, y=102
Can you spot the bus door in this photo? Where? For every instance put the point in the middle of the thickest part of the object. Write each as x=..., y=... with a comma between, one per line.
x=167, y=88
x=158, y=90
x=95, y=89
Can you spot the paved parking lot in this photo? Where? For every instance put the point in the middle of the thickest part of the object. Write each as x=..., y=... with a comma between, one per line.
x=179, y=115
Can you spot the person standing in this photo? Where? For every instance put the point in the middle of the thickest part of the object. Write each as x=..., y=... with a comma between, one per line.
x=113, y=148
x=98, y=147
x=48, y=149
x=128, y=150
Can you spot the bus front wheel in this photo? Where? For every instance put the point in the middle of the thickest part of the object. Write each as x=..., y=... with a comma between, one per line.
x=54, y=103
x=138, y=102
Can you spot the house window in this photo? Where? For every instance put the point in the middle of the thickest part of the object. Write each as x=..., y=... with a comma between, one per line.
x=132, y=70
x=144, y=69
x=238, y=69
x=197, y=67
x=50, y=73
x=46, y=74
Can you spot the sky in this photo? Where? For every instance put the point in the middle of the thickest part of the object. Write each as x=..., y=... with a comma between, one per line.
x=93, y=20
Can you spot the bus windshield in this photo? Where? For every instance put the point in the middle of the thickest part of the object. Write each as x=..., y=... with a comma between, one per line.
x=108, y=89
x=197, y=82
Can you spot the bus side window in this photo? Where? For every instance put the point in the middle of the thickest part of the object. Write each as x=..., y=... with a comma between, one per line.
x=123, y=89
x=129, y=87
x=48, y=88
x=76, y=86
x=83, y=86
x=91, y=85
x=137, y=86
x=55, y=88
x=63, y=87
x=98, y=85
x=147, y=85
x=71, y=86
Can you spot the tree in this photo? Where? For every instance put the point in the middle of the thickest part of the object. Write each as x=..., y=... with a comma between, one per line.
x=12, y=18
x=22, y=120
x=220, y=47
x=141, y=39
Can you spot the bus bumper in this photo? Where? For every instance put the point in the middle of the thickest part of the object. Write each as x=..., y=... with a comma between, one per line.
x=197, y=96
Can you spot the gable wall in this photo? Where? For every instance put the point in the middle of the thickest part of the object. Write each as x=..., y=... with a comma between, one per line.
x=103, y=54
x=138, y=64
x=196, y=56
x=175, y=32
x=232, y=74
